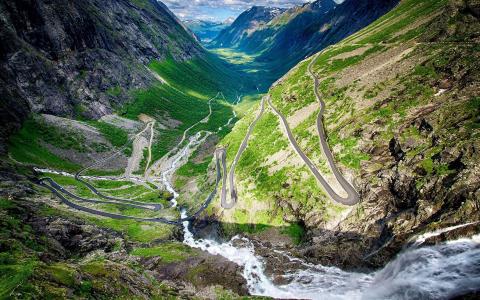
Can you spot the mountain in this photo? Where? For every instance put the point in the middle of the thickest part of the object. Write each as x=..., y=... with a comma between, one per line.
x=245, y=24
x=229, y=20
x=303, y=30
x=357, y=174
x=205, y=31
x=71, y=60
x=402, y=119
x=116, y=85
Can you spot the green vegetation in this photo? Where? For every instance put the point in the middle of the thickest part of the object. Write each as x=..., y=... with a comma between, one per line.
x=134, y=230
x=191, y=169
x=62, y=274
x=295, y=231
x=169, y=252
x=115, y=91
x=143, y=232
x=30, y=144
x=184, y=98
x=13, y=276
x=17, y=261
x=116, y=136
x=26, y=146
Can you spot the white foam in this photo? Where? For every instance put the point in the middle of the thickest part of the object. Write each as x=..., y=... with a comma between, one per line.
x=435, y=272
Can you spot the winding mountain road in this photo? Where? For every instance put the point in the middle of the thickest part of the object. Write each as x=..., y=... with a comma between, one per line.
x=352, y=197
x=233, y=189
x=58, y=190
x=61, y=192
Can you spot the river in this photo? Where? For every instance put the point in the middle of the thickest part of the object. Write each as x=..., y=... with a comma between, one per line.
x=433, y=272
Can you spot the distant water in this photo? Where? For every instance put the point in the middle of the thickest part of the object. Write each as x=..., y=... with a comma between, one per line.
x=433, y=272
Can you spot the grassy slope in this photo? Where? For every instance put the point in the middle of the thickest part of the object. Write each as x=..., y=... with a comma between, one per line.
x=184, y=98
x=343, y=119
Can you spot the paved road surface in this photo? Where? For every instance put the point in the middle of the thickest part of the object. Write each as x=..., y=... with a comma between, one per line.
x=352, y=195
x=233, y=190
x=58, y=190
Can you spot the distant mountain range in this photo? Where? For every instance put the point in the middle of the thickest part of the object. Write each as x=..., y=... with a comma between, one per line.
x=205, y=31
x=281, y=38
x=249, y=21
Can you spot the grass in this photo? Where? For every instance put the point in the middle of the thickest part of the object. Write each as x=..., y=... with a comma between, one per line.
x=28, y=145
x=14, y=276
x=25, y=146
x=62, y=274
x=134, y=230
x=192, y=169
x=184, y=98
x=143, y=232
x=17, y=248
x=295, y=231
x=114, y=91
x=168, y=252
x=115, y=135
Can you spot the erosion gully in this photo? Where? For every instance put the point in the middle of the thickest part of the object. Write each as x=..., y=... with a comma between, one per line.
x=431, y=272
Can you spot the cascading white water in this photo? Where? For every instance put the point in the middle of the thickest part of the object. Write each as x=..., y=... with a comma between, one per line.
x=257, y=281
x=434, y=272
x=180, y=156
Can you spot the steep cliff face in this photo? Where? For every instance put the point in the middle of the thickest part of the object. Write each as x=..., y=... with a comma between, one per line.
x=402, y=120
x=245, y=24
x=66, y=58
x=322, y=23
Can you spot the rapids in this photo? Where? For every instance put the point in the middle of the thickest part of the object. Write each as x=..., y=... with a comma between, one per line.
x=433, y=272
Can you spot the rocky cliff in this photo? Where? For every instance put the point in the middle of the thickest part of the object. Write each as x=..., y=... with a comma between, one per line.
x=70, y=59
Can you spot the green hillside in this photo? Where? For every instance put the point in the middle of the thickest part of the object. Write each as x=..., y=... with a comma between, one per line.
x=393, y=83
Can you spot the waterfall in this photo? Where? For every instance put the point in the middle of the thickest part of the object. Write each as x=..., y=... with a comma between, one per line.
x=433, y=272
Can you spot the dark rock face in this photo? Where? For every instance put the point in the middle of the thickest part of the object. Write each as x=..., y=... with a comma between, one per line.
x=68, y=237
x=63, y=58
x=13, y=111
x=396, y=150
